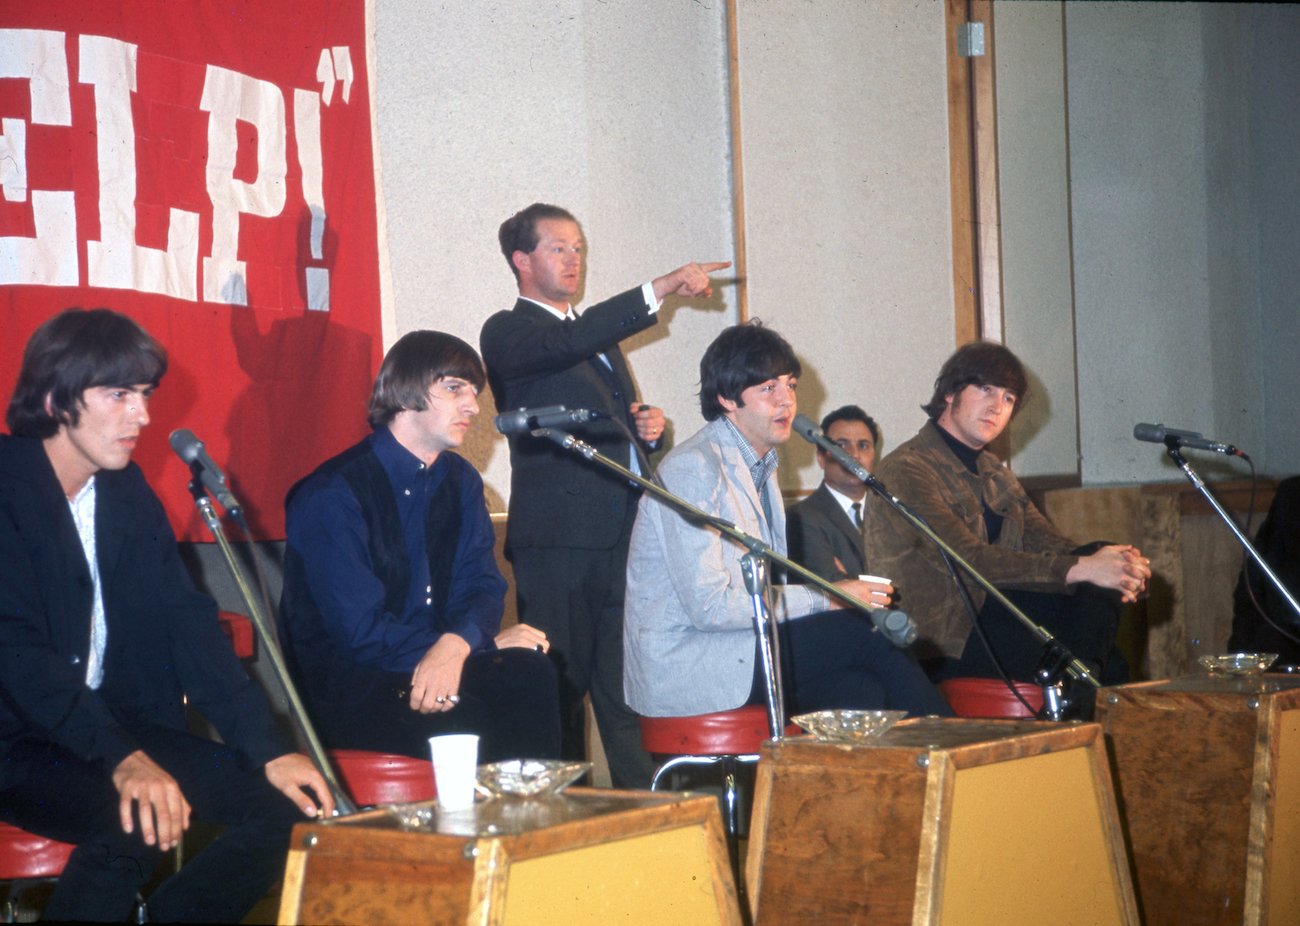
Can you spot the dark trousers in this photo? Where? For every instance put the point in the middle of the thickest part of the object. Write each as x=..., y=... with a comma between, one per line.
x=508, y=697
x=63, y=797
x=836, y=660
x=1085, y=622
x=576, y=597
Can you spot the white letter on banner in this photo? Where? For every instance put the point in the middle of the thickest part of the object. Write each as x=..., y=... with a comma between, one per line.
x=230, y=96
x=115, y=260
x=49, y=259
x=306, y=129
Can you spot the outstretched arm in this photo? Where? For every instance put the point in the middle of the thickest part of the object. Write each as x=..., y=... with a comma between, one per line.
x=688, y=280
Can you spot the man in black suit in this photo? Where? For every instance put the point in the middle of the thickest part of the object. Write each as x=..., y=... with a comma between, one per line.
x=570, y=520
x=824, y=531
x=103, y=638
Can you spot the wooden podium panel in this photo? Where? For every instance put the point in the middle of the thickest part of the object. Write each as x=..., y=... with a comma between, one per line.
x=1208, y=782
x=940, y=822
x=583, y=858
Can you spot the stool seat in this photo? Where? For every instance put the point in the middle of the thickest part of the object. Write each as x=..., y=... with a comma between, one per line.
x=990, y=698
x=734, y=732
x=26, y=855
x=383, y=778
x=240, y=631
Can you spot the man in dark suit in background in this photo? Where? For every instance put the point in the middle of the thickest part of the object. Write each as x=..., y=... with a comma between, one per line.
x=103, y=638
x=570, y=520
x=824, y=530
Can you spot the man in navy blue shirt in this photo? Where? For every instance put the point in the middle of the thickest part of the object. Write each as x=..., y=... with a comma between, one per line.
x=392, y=600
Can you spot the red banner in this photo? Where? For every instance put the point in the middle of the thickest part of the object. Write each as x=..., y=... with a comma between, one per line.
x=206, y=168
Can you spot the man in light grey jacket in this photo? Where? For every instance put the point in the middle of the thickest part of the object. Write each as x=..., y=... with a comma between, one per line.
x=689, y=640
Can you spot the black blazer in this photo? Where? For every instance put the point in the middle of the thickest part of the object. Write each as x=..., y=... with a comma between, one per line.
x=164, y=641
x=535, y=359
x=818, y=531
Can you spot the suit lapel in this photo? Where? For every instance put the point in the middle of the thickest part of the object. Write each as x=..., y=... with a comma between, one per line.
x=739, y=475
x=843, y=523
x=69, y=576
x=109, y=536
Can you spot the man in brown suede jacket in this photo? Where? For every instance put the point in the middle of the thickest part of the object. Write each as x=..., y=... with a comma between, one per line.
x=976, y=504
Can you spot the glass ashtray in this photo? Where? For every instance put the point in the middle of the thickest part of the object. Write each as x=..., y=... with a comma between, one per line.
x=529, y=777
x=1238, y=664
x=413, y=816
x=848, y=726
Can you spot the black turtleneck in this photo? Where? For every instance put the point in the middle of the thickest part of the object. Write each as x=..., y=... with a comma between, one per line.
x=968, y=456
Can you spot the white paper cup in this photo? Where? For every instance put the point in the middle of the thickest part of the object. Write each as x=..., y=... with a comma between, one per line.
x=879, y=579
x=455, y=763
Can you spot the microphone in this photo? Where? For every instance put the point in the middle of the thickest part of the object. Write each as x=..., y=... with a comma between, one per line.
x=809, y=431
x=190, y=449
x=523, y=420
x=898, y=627
x=1159, y=434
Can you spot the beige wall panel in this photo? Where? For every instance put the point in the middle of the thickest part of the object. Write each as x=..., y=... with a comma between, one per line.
x=617, y=111
x=1033, y=169
x=843, y=113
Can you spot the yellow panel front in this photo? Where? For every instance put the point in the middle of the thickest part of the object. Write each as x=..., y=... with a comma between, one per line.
x=640, y=881
x=1284, y=857
x=1026, y=844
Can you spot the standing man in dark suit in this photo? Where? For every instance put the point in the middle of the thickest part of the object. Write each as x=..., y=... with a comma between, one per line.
x=103, y=638
x=824, y=530
x=570, y=521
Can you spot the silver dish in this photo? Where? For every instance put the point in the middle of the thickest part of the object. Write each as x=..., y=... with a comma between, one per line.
x=848, y=726
x=1238, y=664
x=529, y=777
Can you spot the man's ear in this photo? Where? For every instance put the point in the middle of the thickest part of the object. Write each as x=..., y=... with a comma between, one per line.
x=727, y=404
x=520, y=260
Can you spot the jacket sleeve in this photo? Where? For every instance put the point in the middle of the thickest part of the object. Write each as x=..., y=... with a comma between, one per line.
x=811, y=546
x=890, y=540
x=702, y=566
x=516, y=347
x=207, y=669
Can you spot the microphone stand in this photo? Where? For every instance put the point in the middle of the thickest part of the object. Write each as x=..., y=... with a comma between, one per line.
x=342, y=801
x=1057, y=659
x=752, y=567
x=1172, y=447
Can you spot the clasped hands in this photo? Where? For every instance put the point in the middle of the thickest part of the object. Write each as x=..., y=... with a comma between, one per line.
x=435, y=682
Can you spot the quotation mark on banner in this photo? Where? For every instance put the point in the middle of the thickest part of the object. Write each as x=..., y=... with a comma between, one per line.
x=335, y=65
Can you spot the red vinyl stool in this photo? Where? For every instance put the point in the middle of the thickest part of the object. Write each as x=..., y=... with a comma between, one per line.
x=382, y=778
x=727, y=738
x=990, y=697
x=25, y=860
x=240, y=631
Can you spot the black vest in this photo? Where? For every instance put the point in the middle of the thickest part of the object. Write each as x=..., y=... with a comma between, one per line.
x=316, y=660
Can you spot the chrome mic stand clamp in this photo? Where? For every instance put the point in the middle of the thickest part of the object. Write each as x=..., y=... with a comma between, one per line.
x=343, y=803
x=1050, y=676
x=754, y=568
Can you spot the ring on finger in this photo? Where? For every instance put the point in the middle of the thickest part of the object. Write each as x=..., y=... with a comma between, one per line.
x=453, y=699
x=440, y=700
